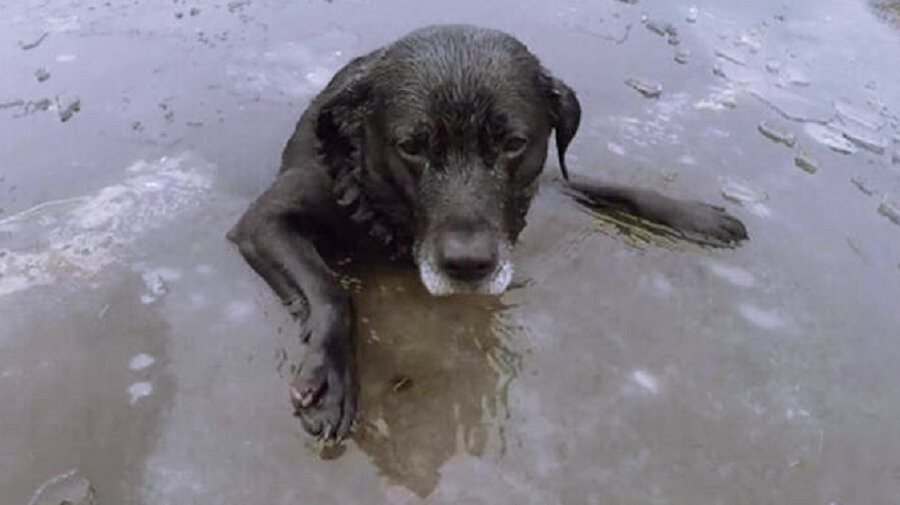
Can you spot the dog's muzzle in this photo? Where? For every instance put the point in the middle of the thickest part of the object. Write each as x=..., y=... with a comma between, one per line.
x=464, y=261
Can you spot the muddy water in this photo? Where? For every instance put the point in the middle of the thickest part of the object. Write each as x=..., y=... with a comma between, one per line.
x=623, y=367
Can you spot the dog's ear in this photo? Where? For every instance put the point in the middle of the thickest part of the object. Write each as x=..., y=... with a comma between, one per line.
x=340, y=131
x=341, y=118
x=565, y=114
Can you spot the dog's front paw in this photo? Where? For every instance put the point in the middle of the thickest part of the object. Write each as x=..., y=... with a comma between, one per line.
x=708, y=223
x=324, y=393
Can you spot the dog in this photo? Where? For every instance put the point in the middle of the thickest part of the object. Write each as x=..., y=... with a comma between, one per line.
x=428, y=151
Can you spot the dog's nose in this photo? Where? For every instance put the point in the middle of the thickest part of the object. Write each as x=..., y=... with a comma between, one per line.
x=466, y=255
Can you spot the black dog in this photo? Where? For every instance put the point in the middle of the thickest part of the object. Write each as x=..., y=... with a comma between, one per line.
x=427, y=150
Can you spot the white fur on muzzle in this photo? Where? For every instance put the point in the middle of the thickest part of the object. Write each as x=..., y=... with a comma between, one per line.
x=439, y=283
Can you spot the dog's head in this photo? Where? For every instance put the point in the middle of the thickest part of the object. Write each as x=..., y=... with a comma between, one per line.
x=456, y=121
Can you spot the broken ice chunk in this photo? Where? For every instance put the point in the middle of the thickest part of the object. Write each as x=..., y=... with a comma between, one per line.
x=849, y=112
x=777, y=133
x=750, y=40
x=830, y=137
x=692, y=15
x=645, y=87
x=869, y=141
x=806, y=162
x=742, y=194
x=890, y=211
x=795, y=77
x=863, y=184
x=727, y=55
x=67, y=106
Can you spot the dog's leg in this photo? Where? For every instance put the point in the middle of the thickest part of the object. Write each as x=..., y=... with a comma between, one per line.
x=270, y=236
x=692, y=220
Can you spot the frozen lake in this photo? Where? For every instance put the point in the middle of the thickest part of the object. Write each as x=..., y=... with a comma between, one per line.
x=623, y=368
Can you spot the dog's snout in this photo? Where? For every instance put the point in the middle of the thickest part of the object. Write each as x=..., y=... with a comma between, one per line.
x=467, y=255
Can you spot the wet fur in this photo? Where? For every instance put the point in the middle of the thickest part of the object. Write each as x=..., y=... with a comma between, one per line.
x=345, y=188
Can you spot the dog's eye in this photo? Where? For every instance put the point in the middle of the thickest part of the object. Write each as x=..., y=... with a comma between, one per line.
x=514, y=146
x=413, y=147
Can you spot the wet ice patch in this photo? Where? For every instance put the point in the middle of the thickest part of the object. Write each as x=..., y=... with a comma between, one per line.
x=762, y=318
x=791, y=413
x=295, y=68
x=750, y=198
x=77, y=238
x=733, y=274
x=157, y=281
x=204, y=269
x=62, y=24
x=198, y=300
x=662, y=285
x=320, y=76
x=495, y=484
x=645, y=380
x=166, y=477
x=238, y=310
x=139, y=390
x=11, y=372
x=595, y=24
x=719, y=99
x=140, y=362
x=615, y=148
x=866, y=118
x=829, y=137
x=657, y=126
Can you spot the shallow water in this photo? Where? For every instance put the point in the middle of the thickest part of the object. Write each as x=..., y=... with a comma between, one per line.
x=624, y=367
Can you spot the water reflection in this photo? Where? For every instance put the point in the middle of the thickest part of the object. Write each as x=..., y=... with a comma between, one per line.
x=434, y=374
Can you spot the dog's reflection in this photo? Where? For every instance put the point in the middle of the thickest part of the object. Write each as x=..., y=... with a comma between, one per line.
x=433, y=373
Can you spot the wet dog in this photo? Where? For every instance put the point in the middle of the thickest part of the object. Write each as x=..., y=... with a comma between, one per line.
x=427, y=150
